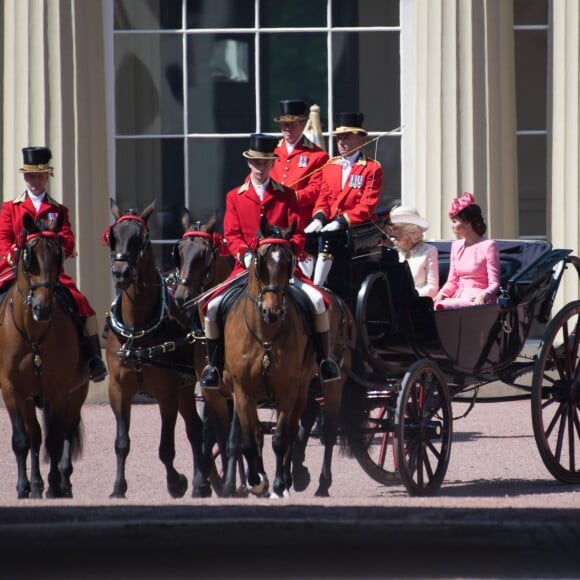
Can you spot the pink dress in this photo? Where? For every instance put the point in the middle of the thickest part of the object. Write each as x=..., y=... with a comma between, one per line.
x=472, y=270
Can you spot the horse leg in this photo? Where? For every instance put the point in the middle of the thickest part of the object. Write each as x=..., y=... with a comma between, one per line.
x=281, y=445
x=234, y=449
x=176, y=482
x=300, y=473
x=122, y=413
x=194, y=429
x=55, y=444
x=72, y=443
x=21, y=448
x=216, y=419
x=332, y=401
x=257, y=483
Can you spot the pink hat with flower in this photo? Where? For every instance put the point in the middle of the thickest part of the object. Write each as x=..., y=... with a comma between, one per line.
x=460, y=203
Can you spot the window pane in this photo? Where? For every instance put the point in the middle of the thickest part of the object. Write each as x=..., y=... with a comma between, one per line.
x=303, y=78
x=531, y=50
x=220, y=13
x=532, y=178
x=221, y=83
x=530, y=12
x=363, y=82
x=147, y=14
x=148, y=169
x=215, y=166
x=299, y=13
x=148, y=84
x=387, y=151
x=365, y=13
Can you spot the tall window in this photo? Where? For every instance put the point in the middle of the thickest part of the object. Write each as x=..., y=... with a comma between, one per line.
x=531, y=51
x=193, y=78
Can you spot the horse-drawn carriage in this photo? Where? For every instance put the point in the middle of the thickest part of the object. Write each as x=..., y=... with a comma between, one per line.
x=412, y=361
x=409, y=362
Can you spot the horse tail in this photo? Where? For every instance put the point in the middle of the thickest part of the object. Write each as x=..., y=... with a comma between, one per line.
x=352, y=414
x=58, y=427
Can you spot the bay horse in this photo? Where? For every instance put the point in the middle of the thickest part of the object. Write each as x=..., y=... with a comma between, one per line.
x=328, y=397
x=42, y=364
x=201, y=264
x=144, y=319
x=268, y=357
x=199, y=258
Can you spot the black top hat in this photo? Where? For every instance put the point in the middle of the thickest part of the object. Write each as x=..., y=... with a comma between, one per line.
x=293, y=110
x=349, y=123
x=35, y=160
x=261, y=147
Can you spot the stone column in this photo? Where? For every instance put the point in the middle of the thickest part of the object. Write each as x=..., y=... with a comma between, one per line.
x=53, y=86
x=564, y=136
x=459, y=110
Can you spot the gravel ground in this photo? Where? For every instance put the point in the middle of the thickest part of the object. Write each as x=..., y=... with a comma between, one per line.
x=498, y=514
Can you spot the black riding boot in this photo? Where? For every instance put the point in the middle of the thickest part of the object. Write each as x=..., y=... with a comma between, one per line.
x=329, y=370
x=97, y=368
x=211, y=374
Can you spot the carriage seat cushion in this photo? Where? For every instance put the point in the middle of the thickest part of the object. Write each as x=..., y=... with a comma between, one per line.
x=514, y=256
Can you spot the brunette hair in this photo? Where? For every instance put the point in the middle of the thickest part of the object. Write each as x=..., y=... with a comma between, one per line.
x=472, y=214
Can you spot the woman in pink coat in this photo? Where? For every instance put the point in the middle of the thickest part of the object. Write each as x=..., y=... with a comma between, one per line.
x=474, y=269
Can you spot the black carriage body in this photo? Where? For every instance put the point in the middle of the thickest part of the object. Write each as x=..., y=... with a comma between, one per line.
x=471, y=345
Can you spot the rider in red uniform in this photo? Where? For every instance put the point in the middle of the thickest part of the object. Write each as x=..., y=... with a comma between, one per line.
x=298, y=165
x=349, y=193
x=245, y=205
x=36, y=202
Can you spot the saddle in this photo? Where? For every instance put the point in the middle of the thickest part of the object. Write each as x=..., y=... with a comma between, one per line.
x=295, y=295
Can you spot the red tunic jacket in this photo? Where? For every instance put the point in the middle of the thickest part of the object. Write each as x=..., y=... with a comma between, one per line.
x=244, y=210
x=301, y=171
x=360, y=195
x=11, y=216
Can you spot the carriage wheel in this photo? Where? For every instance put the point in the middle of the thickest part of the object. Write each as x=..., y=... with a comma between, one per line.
x=556, y=396
x=376, y=453
x=423, y=428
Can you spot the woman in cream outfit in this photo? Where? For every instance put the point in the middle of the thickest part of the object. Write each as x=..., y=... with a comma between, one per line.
x=407, y=229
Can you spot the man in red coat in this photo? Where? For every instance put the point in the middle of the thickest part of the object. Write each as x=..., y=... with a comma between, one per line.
x=36, y=202
x=245, y=205
x=349, y=193
x=298, y=165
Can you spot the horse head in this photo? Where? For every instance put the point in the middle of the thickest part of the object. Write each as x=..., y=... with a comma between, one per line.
x=195, y=257
x=272, y=269
x=128, y=241
x=40, y=261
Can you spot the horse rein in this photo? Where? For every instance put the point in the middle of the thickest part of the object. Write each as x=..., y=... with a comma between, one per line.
x=265, y=288
x=123, y=256
x=210, y=253
x=31, y=241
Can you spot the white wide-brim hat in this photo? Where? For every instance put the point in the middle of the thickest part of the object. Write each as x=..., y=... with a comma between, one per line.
x=405, y=214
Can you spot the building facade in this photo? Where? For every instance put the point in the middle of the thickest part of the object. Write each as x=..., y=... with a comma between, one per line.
x=144, y=99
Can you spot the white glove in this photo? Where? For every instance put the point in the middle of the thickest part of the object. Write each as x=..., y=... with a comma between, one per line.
x=332, y=226
x=248, y=256
x=314, y=226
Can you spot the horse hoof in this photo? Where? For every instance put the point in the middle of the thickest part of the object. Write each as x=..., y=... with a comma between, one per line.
x=117, y=495
x=285, y=495
x=322, y=493
x=202, y=491
x=178, y=489
x=260, y=488
x=300, y=478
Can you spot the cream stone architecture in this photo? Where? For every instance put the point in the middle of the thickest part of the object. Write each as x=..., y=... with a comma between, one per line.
x=67, y=77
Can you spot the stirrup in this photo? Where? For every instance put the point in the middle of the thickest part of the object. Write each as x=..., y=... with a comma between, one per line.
x=97, y=370
x=329, y=371
x=210, y=377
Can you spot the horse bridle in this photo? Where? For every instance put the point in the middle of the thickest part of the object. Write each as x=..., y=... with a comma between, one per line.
x=26, y=258
x=210, y=255
x=123, y=256
x=265, y=288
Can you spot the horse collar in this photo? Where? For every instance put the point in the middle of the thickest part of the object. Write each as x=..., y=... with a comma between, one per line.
x=131, y=332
